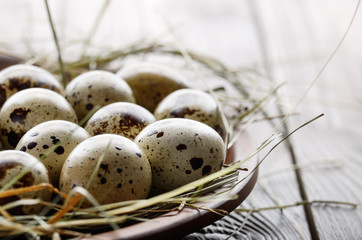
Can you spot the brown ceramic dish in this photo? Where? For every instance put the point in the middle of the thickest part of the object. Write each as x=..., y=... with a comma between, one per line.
x=7, y=60
x=179, y=223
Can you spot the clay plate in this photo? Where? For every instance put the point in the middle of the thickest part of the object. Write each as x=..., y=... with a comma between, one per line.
x=180, y=223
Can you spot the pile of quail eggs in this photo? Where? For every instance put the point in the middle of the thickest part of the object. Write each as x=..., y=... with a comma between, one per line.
x=148, y=132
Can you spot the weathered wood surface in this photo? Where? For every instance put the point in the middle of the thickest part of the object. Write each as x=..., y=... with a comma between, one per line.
x=287, y=41
x=298, y=37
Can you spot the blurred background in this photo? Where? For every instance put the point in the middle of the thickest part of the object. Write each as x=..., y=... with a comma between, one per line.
x=279, y=41
x=285, y=41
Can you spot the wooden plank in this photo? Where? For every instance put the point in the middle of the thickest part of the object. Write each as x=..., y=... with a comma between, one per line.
x=335, y=136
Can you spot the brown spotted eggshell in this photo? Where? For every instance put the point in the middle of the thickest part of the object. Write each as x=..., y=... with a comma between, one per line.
x=52, y=142
x=150, y=83
x=125, y=119
x=192, y=104
x=124, y=172
x=96, y=88
x=180, y=151
x=19, y=77
x=12, y=163
x=28, y=108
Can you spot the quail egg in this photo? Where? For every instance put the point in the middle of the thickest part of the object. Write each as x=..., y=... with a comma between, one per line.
x=124, y=172
x=151, y=83
x=122, y=118
x=18, y=77
x=192, y=104
x=29, y=107
x=180, y=151
x=39, y=141
x=12, y=163
x=96, y=88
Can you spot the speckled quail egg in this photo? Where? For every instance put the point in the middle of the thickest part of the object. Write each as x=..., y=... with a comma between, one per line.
x=124, y=172
x=122, y=118
x=29, y=107
x=18, y=77
x=40, y=141
x=192, y=104
x=96, y=88
x=180, y=151
x=151, y=83
x=12, y=163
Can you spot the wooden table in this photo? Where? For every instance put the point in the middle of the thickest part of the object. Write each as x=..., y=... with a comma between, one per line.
x=295, y=39
x=285, y=41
